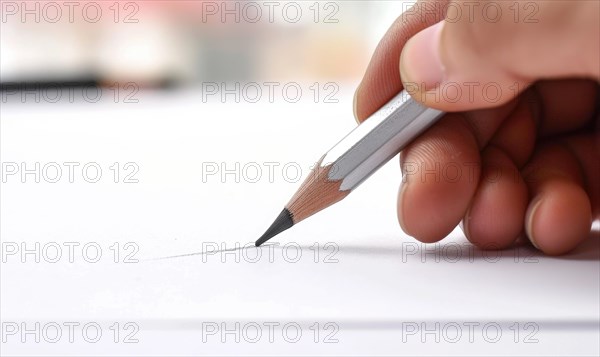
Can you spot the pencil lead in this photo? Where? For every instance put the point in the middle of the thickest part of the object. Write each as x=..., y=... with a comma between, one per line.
x=282, y=222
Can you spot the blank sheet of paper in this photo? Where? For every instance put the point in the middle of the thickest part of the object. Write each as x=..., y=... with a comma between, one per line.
x=148, y=242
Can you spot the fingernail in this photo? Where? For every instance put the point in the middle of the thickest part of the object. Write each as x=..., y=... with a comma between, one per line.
x=401, y=220
x=354, y=109
x=420, y=62
x=529, y=223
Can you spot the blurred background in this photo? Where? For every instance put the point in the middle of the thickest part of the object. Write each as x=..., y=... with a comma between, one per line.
x=175, y=43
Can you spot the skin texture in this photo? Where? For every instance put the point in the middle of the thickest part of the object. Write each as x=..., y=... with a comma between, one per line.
x=518, y=155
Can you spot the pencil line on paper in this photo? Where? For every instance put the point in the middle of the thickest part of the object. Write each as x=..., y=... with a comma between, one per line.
x=205, y=253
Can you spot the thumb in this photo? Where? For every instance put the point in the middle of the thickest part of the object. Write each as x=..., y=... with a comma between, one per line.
x=484, y=54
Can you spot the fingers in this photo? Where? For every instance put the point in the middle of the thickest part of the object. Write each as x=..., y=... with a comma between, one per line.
x=517, y=135
x=441, y=171
x=487, y=58
x=497, y=204
x=440, y=174
x=382, y=79
x=559, y=215
x=495, y=217
x=586, y=148
x=496, y=214
x=547, y=108
x=568, y=104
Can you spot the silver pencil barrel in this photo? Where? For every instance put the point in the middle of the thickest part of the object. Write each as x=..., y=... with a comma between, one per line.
x=377, y=140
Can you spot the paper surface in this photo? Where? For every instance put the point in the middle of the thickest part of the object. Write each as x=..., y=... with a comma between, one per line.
x=348, y=280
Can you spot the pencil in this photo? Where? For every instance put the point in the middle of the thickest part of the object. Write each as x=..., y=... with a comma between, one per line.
x=356, y=157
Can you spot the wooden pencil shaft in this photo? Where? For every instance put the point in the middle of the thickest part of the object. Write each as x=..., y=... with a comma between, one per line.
x=362, y=152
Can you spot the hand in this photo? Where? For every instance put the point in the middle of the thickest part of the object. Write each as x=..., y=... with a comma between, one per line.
x=519, y=152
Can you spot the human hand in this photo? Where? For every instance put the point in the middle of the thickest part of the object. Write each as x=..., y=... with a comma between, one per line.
x=519, y=152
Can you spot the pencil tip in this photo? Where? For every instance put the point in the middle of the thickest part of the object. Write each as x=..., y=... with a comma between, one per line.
x=282, y=222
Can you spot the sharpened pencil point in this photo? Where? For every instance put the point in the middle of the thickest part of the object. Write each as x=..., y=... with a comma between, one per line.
x=282, y=222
